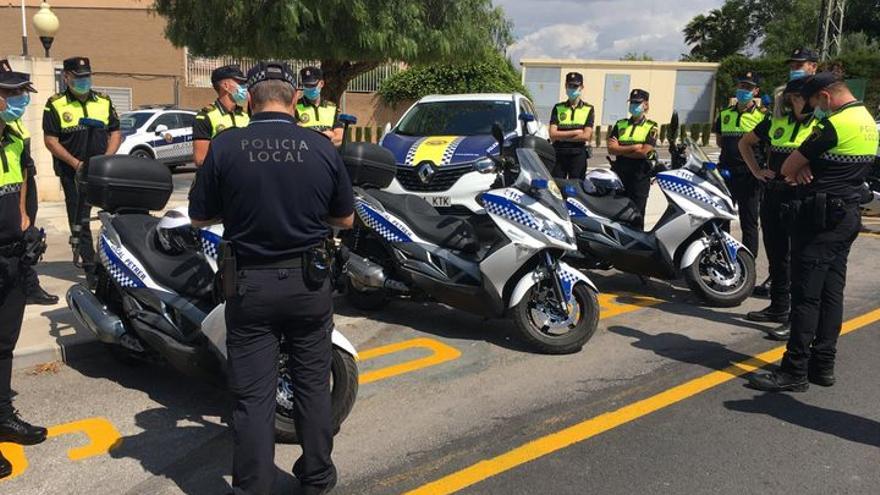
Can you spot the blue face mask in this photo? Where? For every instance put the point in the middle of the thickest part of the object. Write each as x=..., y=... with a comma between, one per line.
x=312, y=93
x=820, y=114
x=240, y=95
x=81, y=85
x=636, y=109
x=744, y=96
x=572, y=93
x=796, y=74
x=15, y=106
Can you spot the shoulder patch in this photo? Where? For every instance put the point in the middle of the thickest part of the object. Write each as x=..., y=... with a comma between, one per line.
x=102, y=95
x=207, y=109
x=651, y=122
x=56, y=96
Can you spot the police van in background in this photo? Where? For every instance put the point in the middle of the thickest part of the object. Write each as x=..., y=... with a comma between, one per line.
x=163, y=133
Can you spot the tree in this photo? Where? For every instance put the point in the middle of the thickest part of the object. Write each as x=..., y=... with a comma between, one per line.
x=720, y=33
x=794, y=25
x=863, y=16
x=349, y=37
x=640, y=57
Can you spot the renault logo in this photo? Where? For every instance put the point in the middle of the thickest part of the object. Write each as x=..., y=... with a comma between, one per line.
x=426, y=171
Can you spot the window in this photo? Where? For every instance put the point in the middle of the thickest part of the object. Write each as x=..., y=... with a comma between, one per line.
x=186, y=119
x=168, y=119
x=458, y=118
x=134, y=120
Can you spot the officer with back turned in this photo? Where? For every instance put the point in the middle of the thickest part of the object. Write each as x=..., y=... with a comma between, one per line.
x=831, y=165
x=226, y=112
x=277, y=188
x=14, y=222
x=571, y=129
x=313, y=111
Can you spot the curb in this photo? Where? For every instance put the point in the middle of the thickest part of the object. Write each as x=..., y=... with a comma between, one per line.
x=28, y=357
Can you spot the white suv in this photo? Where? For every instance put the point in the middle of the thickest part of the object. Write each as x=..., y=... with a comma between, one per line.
x=439, y=138
x=163, y=134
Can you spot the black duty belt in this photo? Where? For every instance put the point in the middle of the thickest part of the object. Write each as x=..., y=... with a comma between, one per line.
x=295, y=261
x=13, y=250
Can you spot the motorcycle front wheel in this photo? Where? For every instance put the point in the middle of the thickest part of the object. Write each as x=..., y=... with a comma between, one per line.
x=343, y=392
x=712, y=281
x=545, y=329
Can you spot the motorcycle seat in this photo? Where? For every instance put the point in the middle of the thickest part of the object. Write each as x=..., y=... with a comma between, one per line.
x=187, y=273
x=443, y=230
x=613, y=206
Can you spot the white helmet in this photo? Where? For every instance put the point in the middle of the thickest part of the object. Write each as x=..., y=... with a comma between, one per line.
x=602, y=182
x=175, y=233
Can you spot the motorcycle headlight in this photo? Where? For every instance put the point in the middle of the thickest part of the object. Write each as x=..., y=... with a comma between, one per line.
x=552, y=229
x=485, y=165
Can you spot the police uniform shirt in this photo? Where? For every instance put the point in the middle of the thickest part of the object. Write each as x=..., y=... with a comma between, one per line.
x=568, y=118
x=782, y=136
x=20, y=128
x=61, y=119
x=840, y=150
x=732, y=125
x=273, y=183
x=205, y=128
x=14, y=156
x=629, y=131
x=320, y=118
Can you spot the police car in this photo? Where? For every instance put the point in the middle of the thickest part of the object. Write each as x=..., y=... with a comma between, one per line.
x=163, y=134
x=439, y=139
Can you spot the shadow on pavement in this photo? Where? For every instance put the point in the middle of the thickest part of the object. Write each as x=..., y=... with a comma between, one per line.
x=786, y=408
x=62, y=270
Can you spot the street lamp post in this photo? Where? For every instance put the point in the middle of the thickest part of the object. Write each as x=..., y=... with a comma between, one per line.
x=47, y=25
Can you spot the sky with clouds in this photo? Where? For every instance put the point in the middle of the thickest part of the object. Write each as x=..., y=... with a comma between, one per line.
x=601, y=29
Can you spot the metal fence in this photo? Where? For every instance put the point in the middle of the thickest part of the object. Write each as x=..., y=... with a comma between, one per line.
x=198, y=71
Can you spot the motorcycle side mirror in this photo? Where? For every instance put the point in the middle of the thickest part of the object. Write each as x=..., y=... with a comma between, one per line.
x=526, y=117
x=348, y=119
x=498, y=134
x=673, y=128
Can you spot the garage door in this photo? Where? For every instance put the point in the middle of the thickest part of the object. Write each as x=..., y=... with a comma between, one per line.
x=614, y=102
x=693, y=95
x=543, y=84
x=121, y=97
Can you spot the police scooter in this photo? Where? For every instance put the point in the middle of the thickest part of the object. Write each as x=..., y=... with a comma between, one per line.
x=506, y=261
x=155, y=298
x=689, y=240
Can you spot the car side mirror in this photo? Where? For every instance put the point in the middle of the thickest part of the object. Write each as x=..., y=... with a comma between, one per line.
x=348, y=119
x=526, y=117
x=161, y=128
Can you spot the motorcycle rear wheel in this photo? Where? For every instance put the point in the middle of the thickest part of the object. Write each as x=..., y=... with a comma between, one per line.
x=578, y=332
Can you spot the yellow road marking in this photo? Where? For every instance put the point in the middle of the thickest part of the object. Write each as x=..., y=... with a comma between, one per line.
x=440, y=353
x=617, y=304
x=14, y=453
x=604, y=422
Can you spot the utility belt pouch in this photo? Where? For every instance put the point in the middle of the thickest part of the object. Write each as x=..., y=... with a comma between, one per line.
x=836, y=211
x=819, y=211
x=589, y=151
x=316, y=266
x=227, y=269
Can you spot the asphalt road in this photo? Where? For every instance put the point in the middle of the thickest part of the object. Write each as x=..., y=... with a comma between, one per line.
x=671, y=415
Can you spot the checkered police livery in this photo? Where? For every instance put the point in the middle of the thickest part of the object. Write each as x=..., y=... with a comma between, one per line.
x=210, y=243
x=450, y=151
x=411, y=154
x=684, y=187
x=507, y=209
x=116, y=268
x=377, y=222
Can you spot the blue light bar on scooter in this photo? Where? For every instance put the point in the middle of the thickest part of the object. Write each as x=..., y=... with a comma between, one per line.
x=569, y=190
x=540, y=184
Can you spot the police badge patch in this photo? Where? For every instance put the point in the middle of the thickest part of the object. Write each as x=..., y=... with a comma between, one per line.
x=778, y=134
x=304, y=117
x=727, y=119
x=563, y=116
x=67, y=117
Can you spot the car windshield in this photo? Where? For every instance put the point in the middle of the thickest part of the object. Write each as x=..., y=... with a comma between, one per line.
x=133, y=120
x=458, y=118
x=531, y=167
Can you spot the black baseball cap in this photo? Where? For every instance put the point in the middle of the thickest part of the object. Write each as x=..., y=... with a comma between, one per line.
x=78, y=66
x=794, y=86
x=232, y=71
x=270, y=70
x=803, y=55
x=574, y=78
x=748, y=78
x=814, y=84
x=638, y=95
x=310, y=75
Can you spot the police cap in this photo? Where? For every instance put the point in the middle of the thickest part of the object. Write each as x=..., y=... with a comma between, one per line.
x=9, y=79
x=749, y=77
x=232, y=71
x=638, y=95
x=794, y=86
x=574, y=78
x=78, y=66
x=803, y=55
x=814, y=84
x=309, y=76
x=5, y=66
x=270, y=70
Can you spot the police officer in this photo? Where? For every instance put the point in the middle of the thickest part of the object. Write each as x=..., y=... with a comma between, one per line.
x=35, y=292
x=571, y=129
x=732, y=124
x=277, y=188
x=226, y=112
x=79, y=123
x=832, y=164
x=632, y=141
x=14, y=220
x=314, y=112
x=782, y=135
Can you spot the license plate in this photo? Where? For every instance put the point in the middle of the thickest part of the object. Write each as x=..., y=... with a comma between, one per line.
x=439, y=201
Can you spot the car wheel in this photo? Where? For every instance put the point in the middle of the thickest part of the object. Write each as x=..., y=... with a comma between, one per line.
x=142, y=153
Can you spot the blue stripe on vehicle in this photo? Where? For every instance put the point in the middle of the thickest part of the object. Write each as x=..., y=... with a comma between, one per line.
x=380, y=224
x=118, y=269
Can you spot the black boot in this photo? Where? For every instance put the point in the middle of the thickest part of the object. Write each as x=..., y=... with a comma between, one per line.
x=780, y=333
x=771, y=314
x=38, y=295
x=822, y=375
x=779, y=381
x=762, y=290
x=15, y=430
x=305, y=489
x=5, y=467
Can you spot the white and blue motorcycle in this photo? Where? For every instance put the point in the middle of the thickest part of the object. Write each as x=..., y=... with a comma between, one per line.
x=504, y=262
x=689, y=240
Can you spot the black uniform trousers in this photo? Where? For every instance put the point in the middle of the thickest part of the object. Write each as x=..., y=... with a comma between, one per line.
x=32, y=281
x=637, y=187
x=818, y=277
x=777, y=243
x=269, y=304
x=12, y=301
x=746, y=192
x=571, y=163
x=71, y=195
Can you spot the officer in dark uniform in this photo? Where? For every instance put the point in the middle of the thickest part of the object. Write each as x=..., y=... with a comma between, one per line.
x=732, y=124
x=832, y=165
x=277, y=188
x=781, y=136
x=803, y=62
x=226, y=112
x=78, y=124
x=571, y=129
x=14, y=220
x=632, y=141
x=313, y=111
x=35, y=292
